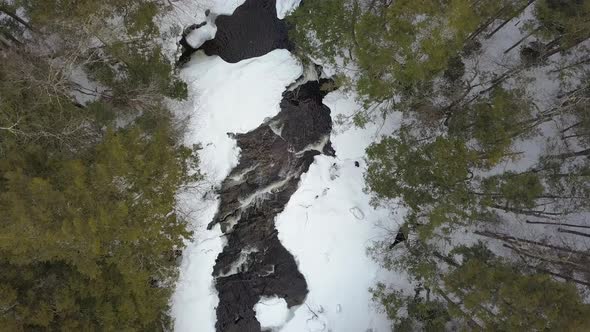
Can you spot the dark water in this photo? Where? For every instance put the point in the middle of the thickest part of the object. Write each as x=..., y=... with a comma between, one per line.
x=251, y=31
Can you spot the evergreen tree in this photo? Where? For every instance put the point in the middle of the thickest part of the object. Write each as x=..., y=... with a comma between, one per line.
x=89, y=230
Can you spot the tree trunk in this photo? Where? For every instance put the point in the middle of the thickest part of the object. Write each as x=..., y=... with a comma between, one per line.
x=521, y=40
x=573, y=154
x=535, y=213
x=555, y=224
x=567, y=278
x=15, y=17
x=518, y=12
x=510, y=239
x=470, y=319
x=548, y=260
x=577, y=63
x=561, y=230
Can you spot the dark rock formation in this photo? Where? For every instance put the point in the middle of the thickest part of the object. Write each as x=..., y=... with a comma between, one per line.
x=254, y=263
x=399, y=238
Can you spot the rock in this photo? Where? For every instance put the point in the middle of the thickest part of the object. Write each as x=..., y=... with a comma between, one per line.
x=269, y=170
x=399, y=238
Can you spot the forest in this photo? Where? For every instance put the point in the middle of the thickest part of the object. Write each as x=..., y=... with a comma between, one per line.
x=491, y=158
x=90, y=164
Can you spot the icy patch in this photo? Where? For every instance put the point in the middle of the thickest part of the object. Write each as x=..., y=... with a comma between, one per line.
x=276, y=127
x=272, y=313
x=239, y=178
x=240, y=264
x=184, y=13
x=198, y=37
x=284, y=7
x=261, y=194
x=310, y=73
x=317, y=146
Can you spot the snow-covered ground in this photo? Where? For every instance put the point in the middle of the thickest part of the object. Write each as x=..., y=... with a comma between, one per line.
x=328, y=223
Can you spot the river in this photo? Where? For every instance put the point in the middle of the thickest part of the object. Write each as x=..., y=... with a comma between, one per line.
x=282, y=223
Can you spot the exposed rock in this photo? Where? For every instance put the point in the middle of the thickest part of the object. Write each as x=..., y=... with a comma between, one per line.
x=255, y=192
x=254, y=263
x=399, y=238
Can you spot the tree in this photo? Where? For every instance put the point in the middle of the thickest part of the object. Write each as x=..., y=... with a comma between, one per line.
x=455, y=163
x=89, y=230
x=506, y=299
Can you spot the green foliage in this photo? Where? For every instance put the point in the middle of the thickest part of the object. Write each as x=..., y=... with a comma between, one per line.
x=399, y=47
x=564, y=19
x=494, y=123
x=419, y=174
x=420, y=314
x=88, y=229
x=102, y=228
x=331, y=21
x=137, y=17
x=506, y=298
x=514, y=190
x=497, y=294
x=460, y=125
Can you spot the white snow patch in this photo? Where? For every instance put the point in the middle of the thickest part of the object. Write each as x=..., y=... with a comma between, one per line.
x=320, y=226
x=195, y=298
x=199, y=36
x=284, y=7
x=272, y=312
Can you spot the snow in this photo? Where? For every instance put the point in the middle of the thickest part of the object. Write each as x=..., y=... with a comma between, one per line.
x=272, y=312
x=199, y=36
x=223, y=99
x=234, y=98
x=328, y=225
x=284, y=7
